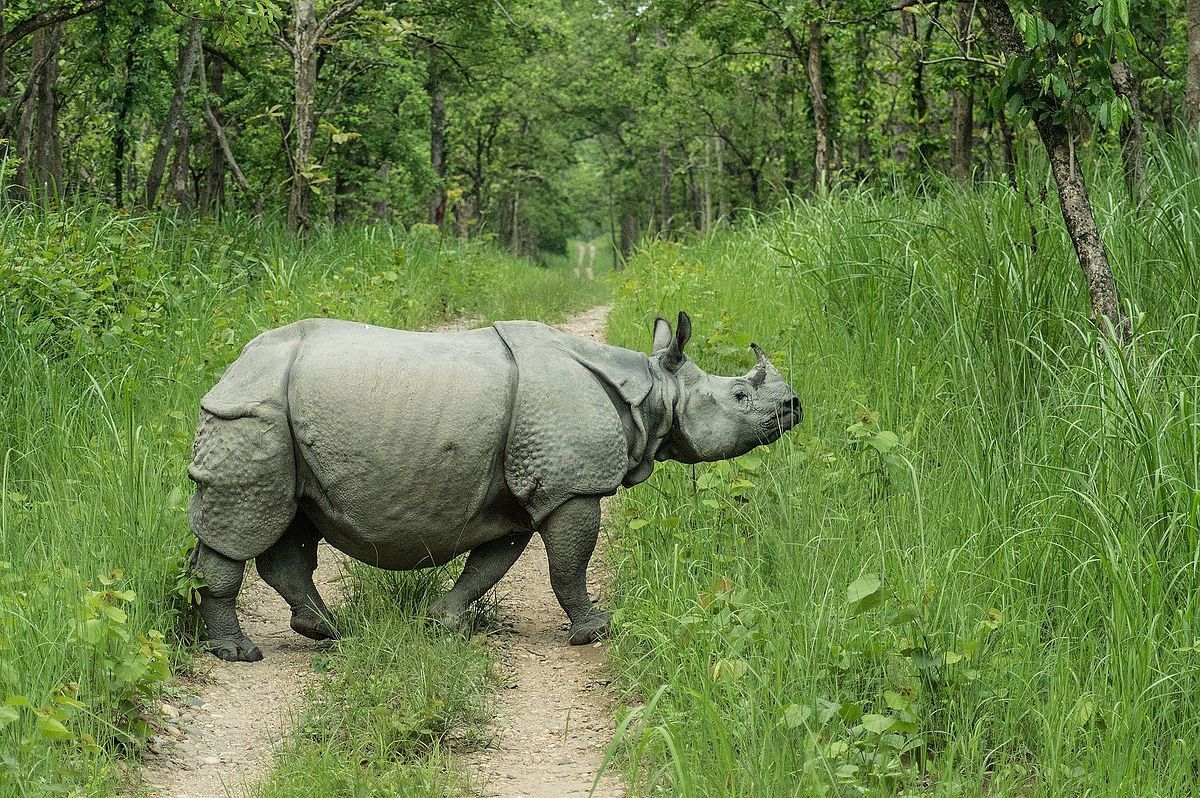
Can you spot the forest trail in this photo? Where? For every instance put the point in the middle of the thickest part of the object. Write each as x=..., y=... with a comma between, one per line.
x=553, y=721
x=232, y=715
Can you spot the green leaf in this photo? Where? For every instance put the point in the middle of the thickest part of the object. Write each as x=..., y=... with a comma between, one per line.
x=795, y=715
x=51, y=729
x=8, y=715
x=877, y=724
x=864, y=593
x=638, y=523
x=883, y=441
x=896, y=701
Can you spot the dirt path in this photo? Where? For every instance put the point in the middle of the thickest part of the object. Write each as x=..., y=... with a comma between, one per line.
x=552, y=722
x=553, y=719
x=231, y=715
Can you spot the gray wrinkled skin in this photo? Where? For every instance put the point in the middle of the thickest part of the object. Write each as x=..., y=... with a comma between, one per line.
x=405, y=450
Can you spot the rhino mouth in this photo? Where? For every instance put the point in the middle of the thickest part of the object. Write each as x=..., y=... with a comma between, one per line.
x=790, y=414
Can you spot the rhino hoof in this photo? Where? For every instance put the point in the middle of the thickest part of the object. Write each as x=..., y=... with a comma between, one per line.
x=308, y=623
x=233, y=649
x=590, y=629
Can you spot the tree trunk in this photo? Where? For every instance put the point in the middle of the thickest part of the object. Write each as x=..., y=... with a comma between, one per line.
x=664, y=163
x=381, y=210
x=962, y=115
x=1007, y=150
x=181, y=169
x=304, y=88
x=862, y=146
x=188, y=55
x=437, y=140
x=664, y=189
x=629, y=233
x=515, y=240
x=3, y=61
x=213, y=195
x=706, y=204
x=38, y=146
x=820, y=109
x=1133, y=147
x=1191, y=97
x=721, y=184
x=1072, y=191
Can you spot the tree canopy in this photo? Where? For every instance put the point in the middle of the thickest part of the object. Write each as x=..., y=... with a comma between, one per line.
x=530, y=121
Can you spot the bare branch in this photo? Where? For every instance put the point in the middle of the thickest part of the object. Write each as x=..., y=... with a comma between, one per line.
x=219, y=131
x=967, y=59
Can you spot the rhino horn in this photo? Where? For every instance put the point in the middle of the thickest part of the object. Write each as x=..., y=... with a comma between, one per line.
x=757, y=375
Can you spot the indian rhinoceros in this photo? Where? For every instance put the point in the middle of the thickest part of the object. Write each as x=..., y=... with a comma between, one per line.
x=405, y=450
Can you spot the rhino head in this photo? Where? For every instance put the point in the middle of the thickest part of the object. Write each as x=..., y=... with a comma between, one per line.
x=716, y=418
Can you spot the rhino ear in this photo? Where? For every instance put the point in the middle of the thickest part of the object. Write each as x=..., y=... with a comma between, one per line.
x=673, y=357
x=662, y=336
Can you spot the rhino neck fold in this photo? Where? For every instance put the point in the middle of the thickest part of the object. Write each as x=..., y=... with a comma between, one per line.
x=654, y=417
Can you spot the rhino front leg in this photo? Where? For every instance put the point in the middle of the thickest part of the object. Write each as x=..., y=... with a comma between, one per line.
x=570, y=534
x=486, y=565
x=218, y=605
x=288, y=567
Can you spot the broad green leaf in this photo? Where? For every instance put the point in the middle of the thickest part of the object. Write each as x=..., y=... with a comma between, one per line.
x=864, y=593
x=877, y=724
x=795, y=715
x=51, y=729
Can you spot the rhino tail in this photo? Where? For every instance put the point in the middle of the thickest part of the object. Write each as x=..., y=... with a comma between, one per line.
x=243, y=462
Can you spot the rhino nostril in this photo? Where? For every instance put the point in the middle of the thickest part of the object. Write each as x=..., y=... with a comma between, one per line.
x=793, y=405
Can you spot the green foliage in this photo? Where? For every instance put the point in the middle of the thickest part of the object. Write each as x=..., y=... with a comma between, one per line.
x=101, y=707
x=971, y=569
x=1069, y=47
x=111, y=328
x=397, y=700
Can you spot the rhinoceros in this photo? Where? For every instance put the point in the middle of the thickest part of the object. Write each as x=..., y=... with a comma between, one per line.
x=407, y=449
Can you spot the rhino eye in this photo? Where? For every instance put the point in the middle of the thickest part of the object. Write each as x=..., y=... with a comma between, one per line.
x=741, y=397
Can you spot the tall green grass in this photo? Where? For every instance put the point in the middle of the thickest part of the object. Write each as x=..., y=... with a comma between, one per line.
x=111, y=328
x=973, y=570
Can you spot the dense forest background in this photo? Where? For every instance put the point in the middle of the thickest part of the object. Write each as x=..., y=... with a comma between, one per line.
x=972, y=570
x=529, y=121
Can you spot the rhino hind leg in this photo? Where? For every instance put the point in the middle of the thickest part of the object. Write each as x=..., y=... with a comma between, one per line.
x=288, y=567
x=570, y=534
x=218, y=605
x=486, y=565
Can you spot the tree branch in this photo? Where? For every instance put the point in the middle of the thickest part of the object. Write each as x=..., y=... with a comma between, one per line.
x=44, y=18
x=219, y=131
x=337, y=12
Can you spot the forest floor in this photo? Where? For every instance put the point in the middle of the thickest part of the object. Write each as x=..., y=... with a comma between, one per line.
x=552, y=722
x=232, y=715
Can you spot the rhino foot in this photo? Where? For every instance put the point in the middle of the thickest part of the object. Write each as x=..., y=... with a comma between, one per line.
x=234, y=649
x=313, y=626
x=441, y=613
x=590, y=629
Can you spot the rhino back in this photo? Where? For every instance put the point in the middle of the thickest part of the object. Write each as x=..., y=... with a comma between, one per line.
x=401, y=437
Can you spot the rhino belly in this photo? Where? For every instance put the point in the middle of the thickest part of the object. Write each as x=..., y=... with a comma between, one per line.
x=400, y=440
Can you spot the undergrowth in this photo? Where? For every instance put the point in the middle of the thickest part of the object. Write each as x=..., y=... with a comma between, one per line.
x=399, y=699
x=111, y=328
x=972, y=570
